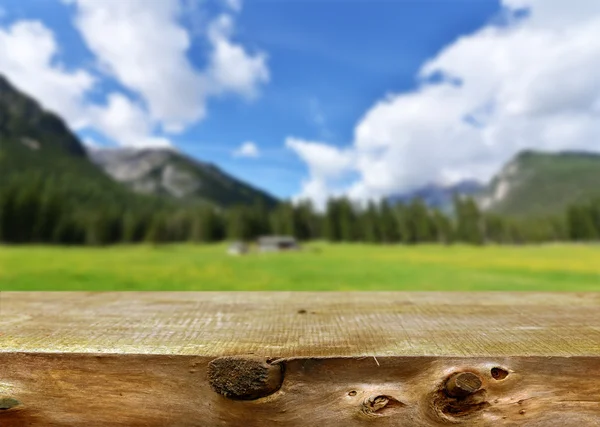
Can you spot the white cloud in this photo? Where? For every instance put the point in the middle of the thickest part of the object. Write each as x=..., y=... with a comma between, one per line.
x=327, y=166
x=127, y=122
x=144, y=47
x=28, y=58
x=231, y=68
x=247, y=149
x=28, y=52
x=531, y=84
x=324, y=161
x=317, y=191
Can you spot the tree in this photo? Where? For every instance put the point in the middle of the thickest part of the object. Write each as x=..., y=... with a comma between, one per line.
x=444, y=232
x=389, y=224
x=239, y=224
x=497, y=229
x=207, y=226
x=419, y=226
x=307, y=227
x=347, y=218
x=331, y=223
x=157, y=231
x=369, y=220
x=581, y=223
x=469, y=221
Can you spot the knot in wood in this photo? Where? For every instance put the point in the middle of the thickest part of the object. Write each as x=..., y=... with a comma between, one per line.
x=244, y=377
x=378, y=405
x=8, y=403
x=463, y=384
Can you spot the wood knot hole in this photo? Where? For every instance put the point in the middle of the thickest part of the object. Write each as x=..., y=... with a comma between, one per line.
x=380, y=405
x=498, y=373
x=463, y=384
x=244, y=377
x=8, y=403
x=461, y=395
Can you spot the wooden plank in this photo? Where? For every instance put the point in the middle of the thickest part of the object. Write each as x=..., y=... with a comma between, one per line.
x=302, y=324
x=298, y=359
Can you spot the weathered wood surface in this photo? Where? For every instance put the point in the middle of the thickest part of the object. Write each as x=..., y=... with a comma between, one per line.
x=302, y=324
x=300, y=359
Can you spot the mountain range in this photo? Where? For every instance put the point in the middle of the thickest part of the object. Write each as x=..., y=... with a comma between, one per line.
x=536, y=183
x=531, y=183
x=166, y=172
x=35, y=141
x=439, y=196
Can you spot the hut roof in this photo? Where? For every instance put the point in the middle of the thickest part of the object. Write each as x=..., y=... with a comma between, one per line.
x=269, y=240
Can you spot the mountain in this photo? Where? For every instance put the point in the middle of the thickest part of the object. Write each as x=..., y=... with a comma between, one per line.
x=534, y=183
x=35, y=142
x=439, y=196
x=22, y=120
x=166, y=172
x=36, y=146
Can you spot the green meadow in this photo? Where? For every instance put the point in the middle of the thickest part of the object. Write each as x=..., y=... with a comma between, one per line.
x=318, y=266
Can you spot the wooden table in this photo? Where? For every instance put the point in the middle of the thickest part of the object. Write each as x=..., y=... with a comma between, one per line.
x=299, y=359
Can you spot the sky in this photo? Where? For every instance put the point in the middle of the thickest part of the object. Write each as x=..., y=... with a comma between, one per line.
x=313, y=98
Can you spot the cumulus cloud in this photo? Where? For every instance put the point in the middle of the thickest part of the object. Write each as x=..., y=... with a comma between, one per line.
x=247, y=149
x=531, y=83
x=28, y=53
x=232, y=68
x=28, y=58
x=324, y=161
x=327, y=167
x=144, y=47
x=127, y=122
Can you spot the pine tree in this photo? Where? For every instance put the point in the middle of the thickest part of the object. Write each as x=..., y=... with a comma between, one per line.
x=420, y=227
x=443, y=227
x=581, y=223
x=469, y=221
x=306, y=220
x=370, y=224
x=347, y=218
x=331, y=226
x=157, y=231
x=239, y=224
x=207, y=226
x=389, y=224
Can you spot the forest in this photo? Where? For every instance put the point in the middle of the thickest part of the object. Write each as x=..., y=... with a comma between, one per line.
x=46, y=210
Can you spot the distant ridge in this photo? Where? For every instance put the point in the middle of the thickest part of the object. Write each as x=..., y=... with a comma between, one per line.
x=33, y=140
x=168, y=172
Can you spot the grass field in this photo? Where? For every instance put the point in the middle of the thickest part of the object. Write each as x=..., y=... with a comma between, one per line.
x=318, y=267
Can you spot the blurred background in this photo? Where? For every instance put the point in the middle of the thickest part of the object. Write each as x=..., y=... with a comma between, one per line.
x=299, y=145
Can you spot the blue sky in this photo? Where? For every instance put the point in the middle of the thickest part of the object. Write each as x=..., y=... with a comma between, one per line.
x=324, y=96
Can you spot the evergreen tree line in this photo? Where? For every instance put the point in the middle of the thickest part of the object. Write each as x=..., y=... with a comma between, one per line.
x=40, y=212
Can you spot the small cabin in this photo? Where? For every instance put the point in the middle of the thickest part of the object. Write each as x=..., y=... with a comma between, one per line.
x=277, y=243
x=237, y=248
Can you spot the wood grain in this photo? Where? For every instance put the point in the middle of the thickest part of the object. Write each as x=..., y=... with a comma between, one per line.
x=302, y=324
x=348, y=359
